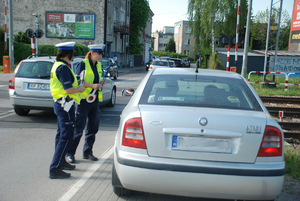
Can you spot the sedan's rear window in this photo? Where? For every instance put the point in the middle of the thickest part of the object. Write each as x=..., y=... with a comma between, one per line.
x=199, y=91
x=38, y=69
x=160, y=63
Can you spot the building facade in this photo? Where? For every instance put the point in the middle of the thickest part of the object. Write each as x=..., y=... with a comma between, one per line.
x=146, y=39
x=161, y=38
x=85, y=22
x=184, y=40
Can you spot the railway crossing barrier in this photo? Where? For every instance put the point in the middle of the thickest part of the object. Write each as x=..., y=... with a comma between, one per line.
x=286, y=84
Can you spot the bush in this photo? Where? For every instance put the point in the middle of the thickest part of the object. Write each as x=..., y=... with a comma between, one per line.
x=81, y=50
x=22, y=38
x=215, y=62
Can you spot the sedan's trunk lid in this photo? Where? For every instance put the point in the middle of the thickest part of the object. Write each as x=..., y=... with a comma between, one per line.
x=203, y=133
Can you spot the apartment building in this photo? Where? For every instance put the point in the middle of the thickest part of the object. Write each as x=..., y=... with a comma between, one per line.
x=184, y=40
x=161, y=38
x=146, y=39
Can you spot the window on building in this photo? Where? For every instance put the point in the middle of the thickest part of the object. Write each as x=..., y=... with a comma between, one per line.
x=187, y=41
x=115, y=13
x=187, y=29
x=186, y=52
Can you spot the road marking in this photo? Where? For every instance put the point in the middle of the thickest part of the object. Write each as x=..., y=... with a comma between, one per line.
x=84, y=178
x=7, y=114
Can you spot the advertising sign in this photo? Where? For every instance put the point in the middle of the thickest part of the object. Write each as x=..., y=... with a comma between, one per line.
x=70, y=25
x=295, y=36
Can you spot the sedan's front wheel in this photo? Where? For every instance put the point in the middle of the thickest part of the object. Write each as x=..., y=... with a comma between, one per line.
x=112, y=100
x=21, y=111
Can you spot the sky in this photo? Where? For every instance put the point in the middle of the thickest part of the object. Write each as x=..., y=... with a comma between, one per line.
x=168, y=12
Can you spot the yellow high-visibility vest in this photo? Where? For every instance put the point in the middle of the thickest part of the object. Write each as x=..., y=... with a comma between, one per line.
x=57, y=89
x=89, y=78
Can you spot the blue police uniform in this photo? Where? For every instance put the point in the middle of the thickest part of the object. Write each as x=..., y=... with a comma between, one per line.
x=86, y=115
x=65, y=120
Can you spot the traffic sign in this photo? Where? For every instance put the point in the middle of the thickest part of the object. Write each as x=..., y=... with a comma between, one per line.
x=39, y=33
x=29, y=33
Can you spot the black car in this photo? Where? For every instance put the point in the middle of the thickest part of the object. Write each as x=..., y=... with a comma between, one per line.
x=109, y=65
x=148, y=64
x=178, y=62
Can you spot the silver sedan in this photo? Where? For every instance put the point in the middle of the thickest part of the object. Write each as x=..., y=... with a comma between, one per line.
x=29, y=88
x=198, y=134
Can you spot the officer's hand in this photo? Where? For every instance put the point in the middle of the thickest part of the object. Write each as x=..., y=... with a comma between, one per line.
x=96, y=86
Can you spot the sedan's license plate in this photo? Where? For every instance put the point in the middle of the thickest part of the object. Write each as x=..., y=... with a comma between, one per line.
x=38, y=86
x=204, y=144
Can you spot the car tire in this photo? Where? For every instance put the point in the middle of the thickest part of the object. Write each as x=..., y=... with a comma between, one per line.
x=21, y=111
x=117, y=186
x=112, y=100
x=116, y=76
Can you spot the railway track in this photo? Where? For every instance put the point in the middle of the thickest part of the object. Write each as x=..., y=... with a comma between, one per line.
x=291, y=128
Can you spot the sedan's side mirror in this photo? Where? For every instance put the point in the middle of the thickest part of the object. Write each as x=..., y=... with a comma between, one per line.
x=128, y=92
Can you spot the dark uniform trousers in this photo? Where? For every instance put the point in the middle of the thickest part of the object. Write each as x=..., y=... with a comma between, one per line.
x=87, y=115
x=64, y=136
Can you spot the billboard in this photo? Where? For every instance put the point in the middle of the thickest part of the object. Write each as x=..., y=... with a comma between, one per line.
x=295, y=36
x=70, y=25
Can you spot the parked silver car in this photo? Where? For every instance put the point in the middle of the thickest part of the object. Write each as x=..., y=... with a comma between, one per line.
x=29, y=88
x=158, y=63
x=204, y=134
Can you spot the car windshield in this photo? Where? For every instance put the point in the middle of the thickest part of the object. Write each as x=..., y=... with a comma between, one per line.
x=104, y=62
x=160, y=63
x=37, y=69
x=199, y=91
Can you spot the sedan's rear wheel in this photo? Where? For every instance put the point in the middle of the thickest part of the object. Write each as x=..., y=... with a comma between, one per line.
x=121, y=191
x=117, y=186
x=21, y=111
x=112, y=100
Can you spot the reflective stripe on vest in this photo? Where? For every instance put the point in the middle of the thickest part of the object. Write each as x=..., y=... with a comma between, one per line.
x=89, y=78
x=57, y=89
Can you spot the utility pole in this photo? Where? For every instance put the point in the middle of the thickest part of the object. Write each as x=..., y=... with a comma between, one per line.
x=245, y=57
x=11, y=38
x=36, y=15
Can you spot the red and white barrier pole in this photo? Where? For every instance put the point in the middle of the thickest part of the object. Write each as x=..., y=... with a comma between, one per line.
x=286, y=83
x=5, y=28
x=33, y=45
x=237, y=32
x=280, y=114
x=228, y=57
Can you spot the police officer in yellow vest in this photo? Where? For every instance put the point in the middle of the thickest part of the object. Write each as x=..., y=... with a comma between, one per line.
x=87, y=113
x=65, y=91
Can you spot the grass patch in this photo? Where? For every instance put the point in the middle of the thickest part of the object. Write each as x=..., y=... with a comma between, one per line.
x=292, y=162
x=261, y=90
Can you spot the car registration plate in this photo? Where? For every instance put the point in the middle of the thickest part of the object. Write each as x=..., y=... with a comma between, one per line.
x=38, y=86
x=202, y=144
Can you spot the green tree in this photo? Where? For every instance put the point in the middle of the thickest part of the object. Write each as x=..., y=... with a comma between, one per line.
x=171, y=47
x=22, y=38
x=211, y=18
x=259, y=27
x=139, y=12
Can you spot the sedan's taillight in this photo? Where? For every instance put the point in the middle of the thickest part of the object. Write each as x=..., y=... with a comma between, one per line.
x=11, y=82
x=133, y=134
x=150, y=67
x=271, y=144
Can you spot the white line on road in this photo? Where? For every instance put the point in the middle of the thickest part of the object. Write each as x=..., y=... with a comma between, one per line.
x=81, y=181
x=7, y=114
